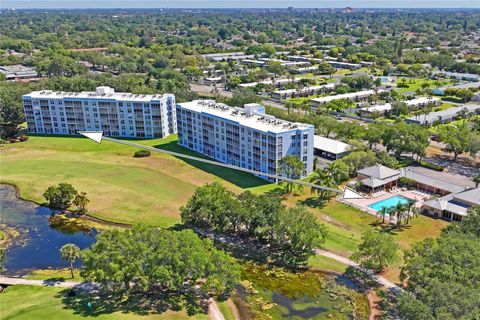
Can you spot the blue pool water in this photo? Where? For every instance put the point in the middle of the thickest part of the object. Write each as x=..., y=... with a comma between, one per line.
x=389, y=202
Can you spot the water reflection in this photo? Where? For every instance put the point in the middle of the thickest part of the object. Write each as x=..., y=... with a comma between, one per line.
x=40, y=238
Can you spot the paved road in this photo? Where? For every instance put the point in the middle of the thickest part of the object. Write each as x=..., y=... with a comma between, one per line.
x=384, y=282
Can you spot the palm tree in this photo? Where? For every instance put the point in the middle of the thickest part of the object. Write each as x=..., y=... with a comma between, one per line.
x=323, y=178
x=400, y=210
x=81, y=202
x=70, y=253
x=336, y=172
x=391, y=213
x=428, y=108
x=383, y=212
x=409, y=207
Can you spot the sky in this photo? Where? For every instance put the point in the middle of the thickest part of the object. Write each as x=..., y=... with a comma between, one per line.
x=30, y=4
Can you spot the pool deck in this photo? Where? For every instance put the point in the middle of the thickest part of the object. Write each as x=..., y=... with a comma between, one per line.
x=362, y=204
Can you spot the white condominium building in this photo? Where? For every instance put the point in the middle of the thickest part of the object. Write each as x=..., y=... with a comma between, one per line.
x=116, y=114
x=244, y=137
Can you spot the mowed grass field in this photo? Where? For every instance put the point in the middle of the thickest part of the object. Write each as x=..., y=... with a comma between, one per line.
x=121, y=188
x=35, y=302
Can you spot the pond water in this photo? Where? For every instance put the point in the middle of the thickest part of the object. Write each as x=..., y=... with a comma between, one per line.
x=302, y=295
x=39, y=240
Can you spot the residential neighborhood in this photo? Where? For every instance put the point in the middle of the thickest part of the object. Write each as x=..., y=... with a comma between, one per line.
x=239, y=160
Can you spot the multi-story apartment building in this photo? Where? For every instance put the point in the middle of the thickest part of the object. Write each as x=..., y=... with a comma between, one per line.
x=116, y=114
x=244, y=137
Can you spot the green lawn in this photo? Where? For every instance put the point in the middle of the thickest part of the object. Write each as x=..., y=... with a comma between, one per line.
x=413, y=84
x=60, y=274
x=121, y=188
x=36, y=302
x=345, y=225
x=326, y=264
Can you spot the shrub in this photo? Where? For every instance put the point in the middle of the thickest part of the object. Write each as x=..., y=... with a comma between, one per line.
x=141, y=153
x=407, y=183
x=431, y=166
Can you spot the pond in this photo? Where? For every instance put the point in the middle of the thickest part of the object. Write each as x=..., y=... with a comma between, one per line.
x=38, y=239
x=282, y=294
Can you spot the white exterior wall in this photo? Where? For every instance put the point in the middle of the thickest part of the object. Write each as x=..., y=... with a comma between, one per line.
x=247, y=147
x=117, y=117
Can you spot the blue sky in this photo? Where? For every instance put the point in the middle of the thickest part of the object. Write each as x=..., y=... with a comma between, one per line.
x=240, y=4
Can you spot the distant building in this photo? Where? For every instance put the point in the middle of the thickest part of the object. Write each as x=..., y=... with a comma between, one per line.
x=440, y=91
x=344, y=65
x=116, y=114
x=303, y=70
x=330, y=149
x=227, y=56
x=304, y=59
x=422, y=102
x=18, y=72
x=456, y=75
x=443, y=116
x=251, y=62
x=353, y=96
x=302, y=92
x=244, y=137
x=273, y=83
x=379, y=109
x=213, y=80
x=286, y=63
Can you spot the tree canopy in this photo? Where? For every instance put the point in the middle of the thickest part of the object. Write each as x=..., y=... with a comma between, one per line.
x=442, y=274
x=158, y=261
x=291, y=233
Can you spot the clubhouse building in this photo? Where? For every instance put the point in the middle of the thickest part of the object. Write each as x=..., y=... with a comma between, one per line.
x=116, y=114
x=244, y=137
x=445, y=195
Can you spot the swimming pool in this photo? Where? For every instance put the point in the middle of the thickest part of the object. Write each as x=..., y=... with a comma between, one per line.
x=389, y=202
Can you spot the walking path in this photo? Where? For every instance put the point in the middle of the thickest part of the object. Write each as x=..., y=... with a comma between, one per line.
x=383, y=281
x=46, y=283
x=214, y=311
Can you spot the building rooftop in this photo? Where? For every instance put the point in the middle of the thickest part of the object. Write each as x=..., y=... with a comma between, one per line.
x=467, y=85
x=421, y=100
x=330, y=145
x=104, y=92
x=306, y=89
x=378, y=171
x=269, y=82
x=443, y=114
x=446, y=203
x=254, y=120
x=350, y=95
x=344, y=63
x=457, y=74
x=378, y=108
x=471, y=196
x=18, y=71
